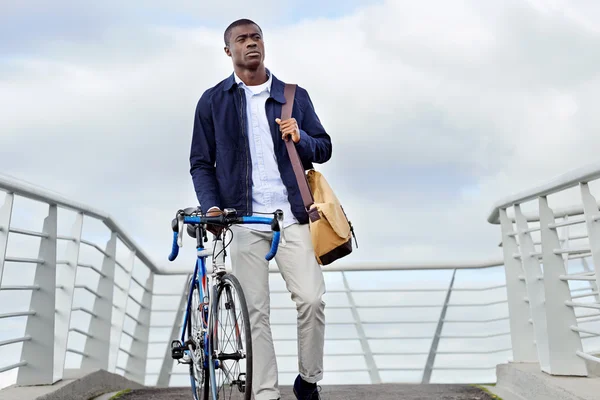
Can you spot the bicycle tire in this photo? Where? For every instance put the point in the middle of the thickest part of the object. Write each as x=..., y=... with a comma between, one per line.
x=231, y=282
x=203, y=392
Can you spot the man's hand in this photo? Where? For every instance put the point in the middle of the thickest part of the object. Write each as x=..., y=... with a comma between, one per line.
x=289, y=127
x=214, y=212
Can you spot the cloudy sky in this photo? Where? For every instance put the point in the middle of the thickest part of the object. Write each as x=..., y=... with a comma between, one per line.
x=436, y=109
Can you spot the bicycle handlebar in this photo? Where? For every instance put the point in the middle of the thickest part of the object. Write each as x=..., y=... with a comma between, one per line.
x=224, y=220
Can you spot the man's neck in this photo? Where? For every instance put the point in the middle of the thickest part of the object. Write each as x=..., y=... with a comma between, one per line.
x=252, y=77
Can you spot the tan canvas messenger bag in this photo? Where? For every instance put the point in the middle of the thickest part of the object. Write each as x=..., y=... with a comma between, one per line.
x=330, y=228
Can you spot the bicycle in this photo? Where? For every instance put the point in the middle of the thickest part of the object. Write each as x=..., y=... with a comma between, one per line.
x=199, y=344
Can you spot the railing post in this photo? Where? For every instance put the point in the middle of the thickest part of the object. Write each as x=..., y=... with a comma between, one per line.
x=521, y=331
x=97, y=347
x=592, y=216
x=164, y=377
x=5, y=214
x=364, y=343
x=437, y=335
x=66, y=275
x=563, y=342
x=39, y=351
x=117, y=329
x=136, y=362
x=535, y=288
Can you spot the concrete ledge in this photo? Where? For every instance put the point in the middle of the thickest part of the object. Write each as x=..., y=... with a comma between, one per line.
x=527, y=381
x=86, y=387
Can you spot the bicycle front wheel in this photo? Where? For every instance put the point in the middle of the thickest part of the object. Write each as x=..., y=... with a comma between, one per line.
x=230, y=343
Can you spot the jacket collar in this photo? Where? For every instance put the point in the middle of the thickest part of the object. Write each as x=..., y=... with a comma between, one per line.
x=277, y=87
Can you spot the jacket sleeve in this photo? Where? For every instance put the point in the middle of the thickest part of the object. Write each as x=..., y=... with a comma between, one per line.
x=315, y=144
x=202, y=156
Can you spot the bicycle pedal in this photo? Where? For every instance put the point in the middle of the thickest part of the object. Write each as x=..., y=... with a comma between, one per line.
x=177, y=350
x=241, y=383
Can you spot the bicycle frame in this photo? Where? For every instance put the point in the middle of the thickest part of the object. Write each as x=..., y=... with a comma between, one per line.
x=201, y=278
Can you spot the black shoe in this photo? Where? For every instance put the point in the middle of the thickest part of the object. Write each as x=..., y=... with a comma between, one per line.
x=306, y=391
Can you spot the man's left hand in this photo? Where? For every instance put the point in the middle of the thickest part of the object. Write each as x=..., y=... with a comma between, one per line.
x=289, y=127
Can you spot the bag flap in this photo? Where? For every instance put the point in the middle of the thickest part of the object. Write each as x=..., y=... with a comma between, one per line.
x=334, y=214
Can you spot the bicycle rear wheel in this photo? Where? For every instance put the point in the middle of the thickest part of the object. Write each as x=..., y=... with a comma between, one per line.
x=199, y=373
x=230, y=343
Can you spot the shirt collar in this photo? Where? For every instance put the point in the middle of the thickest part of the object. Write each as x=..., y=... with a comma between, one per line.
x=267, y=84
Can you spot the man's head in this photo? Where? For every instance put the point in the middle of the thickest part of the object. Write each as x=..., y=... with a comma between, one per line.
x=244, y=44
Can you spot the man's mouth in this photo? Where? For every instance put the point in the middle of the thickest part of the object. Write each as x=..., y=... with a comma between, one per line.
x=253, y=53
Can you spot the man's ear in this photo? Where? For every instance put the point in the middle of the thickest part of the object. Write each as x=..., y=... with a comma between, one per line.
x=227, y=51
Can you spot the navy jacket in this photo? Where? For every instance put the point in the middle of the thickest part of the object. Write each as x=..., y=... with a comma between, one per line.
x=220, y=162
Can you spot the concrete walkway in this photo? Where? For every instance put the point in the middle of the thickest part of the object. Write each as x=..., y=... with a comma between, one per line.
x=346, y=392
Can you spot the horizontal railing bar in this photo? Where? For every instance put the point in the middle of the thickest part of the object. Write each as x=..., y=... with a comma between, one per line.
x=122, y=289
x=583, y=305
x=572, y=250
x=24, y=260
x=127, y=352
x=381, y=267
x=17, y=340
x=582, y=330
x=136, y=301
x=473, y=352
x=13, y=366
x=24, y=287
x=17, y=314
x=81, y=332
x=167, y=310
x=492, y=303
x=28, y=233
x=130, y=334
x=133, y=278
x=85, y=287
x=596, y=319
x=478, y=289
x=463, y=368
x=569, y=222
x=85, y=310
x=579, y=296
x=474, y=336
x=93, y=268
x=580, y=289
x=122, y=266
x=94, y=245
x=133, y=318
x=69, y=238
x=587, y=356
x=475, y=321
x=81, y=353
x=354, y=323
x=577, y=277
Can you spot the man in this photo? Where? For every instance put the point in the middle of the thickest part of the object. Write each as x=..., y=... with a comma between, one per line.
x=239, y=160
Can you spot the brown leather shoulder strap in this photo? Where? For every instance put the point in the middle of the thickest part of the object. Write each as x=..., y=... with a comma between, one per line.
x=286, y=113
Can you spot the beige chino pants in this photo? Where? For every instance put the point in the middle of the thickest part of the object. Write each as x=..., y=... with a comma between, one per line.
x=304, y=279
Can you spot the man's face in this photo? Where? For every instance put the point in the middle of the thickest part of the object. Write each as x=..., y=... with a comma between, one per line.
x=246, y=47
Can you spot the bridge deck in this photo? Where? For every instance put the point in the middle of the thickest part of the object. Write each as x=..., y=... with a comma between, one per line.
x=351, y=392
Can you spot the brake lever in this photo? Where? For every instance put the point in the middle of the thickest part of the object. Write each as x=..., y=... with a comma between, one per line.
x=279, y=218
x=180, y=229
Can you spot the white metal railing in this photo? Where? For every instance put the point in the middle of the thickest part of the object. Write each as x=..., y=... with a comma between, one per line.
x=552, y=283
x=69, y=304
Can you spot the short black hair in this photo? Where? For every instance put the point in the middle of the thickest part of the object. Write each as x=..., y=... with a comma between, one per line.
x=239, y=22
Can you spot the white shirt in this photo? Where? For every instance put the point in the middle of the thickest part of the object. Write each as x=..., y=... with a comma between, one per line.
x=268, y=191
